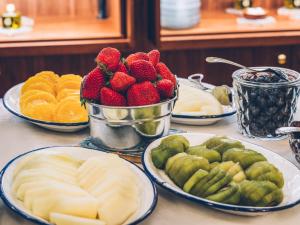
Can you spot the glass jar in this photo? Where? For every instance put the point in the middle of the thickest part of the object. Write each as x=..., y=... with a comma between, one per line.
x=242, y=4
x=291, y=4
x=264, y=107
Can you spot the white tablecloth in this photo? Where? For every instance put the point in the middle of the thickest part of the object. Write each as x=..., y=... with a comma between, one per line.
x=18, y=136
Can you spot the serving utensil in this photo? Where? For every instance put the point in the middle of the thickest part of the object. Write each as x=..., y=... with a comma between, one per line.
x=278, y=73
x=287, y=130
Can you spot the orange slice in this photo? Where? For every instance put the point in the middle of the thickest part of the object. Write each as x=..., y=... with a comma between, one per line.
x=30, y=93
x=66, y=93
x=34, y=79
x=69, y=110
x=40, y=110
x=49, y=75
x=39, y=97
x=68, y=84
x=70, y=77
x=41, y=85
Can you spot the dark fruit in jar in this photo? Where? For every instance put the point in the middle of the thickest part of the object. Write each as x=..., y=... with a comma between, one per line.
x=264, y=107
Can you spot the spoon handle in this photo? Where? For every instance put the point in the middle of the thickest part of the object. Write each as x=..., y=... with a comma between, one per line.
x=220, y=60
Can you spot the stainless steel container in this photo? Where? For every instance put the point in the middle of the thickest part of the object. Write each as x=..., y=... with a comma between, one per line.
x=124, y=129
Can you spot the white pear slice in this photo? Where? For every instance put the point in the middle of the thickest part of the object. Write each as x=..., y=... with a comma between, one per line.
x=70, y=205
x=36, y=157
x=40, y=174
x=50, y=189
x=20, y=194
x=196, y=102
x=117, y=209
x=62, y=219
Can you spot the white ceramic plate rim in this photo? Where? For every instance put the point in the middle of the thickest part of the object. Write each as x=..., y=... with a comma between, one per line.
x=19, y=114
x=17, y=209
x=146, y=161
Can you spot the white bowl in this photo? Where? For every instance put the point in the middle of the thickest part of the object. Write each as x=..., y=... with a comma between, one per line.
x=176, y=22
x=11, y=102
x=290, y=172
x=147, y=189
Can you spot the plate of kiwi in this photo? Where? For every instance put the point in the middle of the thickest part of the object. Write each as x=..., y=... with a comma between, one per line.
x=223, y=173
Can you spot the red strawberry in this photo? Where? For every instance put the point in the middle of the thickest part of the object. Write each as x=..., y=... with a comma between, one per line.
x=154, y=57
x=108, y=59
x=111, y=98
x=142, y=94
x=165, y=88
x=92, y=84
x=136, y=56
x=122, y=68
x=165, y=72
x=121, y=81
x=143, y=70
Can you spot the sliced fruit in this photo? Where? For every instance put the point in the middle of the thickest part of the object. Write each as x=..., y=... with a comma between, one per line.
x=40, y=85
x=63, y=219
x=81, y=206
x=73, y=77
x=49, y=75
x=66, y=93
x=68, y=84
x=70, y=110
x=39, y=110
x=37, y=79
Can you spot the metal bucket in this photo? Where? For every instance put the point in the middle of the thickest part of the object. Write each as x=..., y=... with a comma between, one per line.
x=125, y=129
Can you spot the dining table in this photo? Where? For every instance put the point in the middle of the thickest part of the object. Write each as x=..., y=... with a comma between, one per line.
x=18, y=136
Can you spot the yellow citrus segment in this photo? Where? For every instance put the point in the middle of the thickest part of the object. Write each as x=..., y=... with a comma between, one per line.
x=49, y=75
x=37, y=79
x=48, y=97
x=73, y=77
x=68, y=84
x=39, y=110
x=42, y=86
x=70, y=110
x=29, y=93
x=39, y=97
x=66, y=93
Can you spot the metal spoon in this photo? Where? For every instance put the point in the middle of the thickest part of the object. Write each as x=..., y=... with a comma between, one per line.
x=197, y=79
x=279, y=73
x=287, y=130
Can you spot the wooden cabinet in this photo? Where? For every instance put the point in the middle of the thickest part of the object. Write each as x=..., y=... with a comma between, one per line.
x=71, y=42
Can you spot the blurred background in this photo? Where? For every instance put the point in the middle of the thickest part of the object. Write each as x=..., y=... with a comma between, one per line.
x=65, y=36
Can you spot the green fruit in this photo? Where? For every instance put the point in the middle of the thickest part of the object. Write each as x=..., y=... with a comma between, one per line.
x=194, y=179
x=200, y=150
x=172, y=159
x=168, y=147
x=222, y=93
x=218, y=185
x=184, y=167
x=245, y=157
x=260, y=193
x=265, y=171
x=213, y=142
x=228, y=144
x=213, y=165
x=227, y=195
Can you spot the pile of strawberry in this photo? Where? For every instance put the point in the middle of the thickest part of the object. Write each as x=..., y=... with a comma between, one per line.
x=140, y=79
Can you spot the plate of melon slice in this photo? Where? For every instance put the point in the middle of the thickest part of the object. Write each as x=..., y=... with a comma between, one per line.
x=78, y=186
x=50, y=101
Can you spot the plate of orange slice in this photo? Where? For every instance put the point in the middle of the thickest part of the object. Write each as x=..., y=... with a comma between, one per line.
x=50, y=101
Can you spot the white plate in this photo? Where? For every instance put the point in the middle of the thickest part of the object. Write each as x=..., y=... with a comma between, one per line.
x=148, y=191
x=290, y=172
x=11, y=102
x=203, y=120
